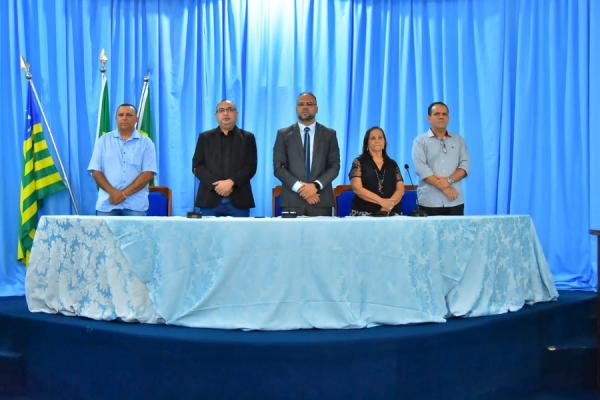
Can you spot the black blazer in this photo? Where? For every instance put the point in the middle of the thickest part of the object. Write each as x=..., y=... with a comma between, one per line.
x=288, y=162
x=206, y=166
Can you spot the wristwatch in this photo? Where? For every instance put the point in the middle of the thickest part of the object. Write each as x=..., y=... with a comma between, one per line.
x=317, y=186
x=450, y=180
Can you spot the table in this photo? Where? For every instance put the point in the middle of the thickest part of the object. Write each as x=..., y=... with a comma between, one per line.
x=274, y=273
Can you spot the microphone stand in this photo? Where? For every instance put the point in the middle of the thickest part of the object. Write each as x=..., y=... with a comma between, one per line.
x=418, y=212
x=194, y=213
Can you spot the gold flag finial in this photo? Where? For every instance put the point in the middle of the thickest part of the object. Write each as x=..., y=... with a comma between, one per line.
x=25, y=67
x=103, y=59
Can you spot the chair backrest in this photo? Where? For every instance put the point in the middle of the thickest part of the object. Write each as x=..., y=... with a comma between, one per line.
x=409, y=200
x=343, y=200
x=275, y=201
x=160, y=201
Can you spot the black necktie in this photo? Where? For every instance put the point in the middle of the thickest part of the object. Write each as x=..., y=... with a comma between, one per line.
x=307, y=151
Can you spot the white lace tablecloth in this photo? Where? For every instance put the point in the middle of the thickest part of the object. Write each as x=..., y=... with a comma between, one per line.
x=274, y=273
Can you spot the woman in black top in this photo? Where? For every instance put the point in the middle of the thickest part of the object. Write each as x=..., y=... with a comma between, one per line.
x=376, y=179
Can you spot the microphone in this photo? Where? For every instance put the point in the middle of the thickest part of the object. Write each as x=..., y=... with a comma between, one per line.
x=418, y=212
x=195, y=213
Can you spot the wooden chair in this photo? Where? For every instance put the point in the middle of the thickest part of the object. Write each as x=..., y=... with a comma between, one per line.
x=160, y=200
x=409, y=200
x=275, y=204
x=343, y=200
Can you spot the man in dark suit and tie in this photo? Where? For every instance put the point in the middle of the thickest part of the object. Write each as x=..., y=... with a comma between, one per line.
x=306, y=159
x=225, y=161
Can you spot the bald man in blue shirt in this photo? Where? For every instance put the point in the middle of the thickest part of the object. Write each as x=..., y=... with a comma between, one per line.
x=122, y=164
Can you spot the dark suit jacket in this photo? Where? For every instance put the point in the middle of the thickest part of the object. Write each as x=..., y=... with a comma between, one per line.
x=206, y=166
x=288, y=162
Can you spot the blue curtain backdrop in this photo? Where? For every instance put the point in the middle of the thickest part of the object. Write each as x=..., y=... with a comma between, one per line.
x=521, y=78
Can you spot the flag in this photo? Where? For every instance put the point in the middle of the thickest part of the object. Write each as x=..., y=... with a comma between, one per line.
x=103, y=110
x=144, y=124
x=40, y=178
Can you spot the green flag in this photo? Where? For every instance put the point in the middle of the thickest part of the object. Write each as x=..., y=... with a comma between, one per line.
x=40, y=178
x=103, y=110
x=144, y=124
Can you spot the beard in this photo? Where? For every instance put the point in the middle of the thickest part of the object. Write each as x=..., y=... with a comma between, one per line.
x=306, y=117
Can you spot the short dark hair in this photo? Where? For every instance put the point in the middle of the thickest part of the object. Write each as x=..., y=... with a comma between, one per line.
x=127, y=105
x=365, y=149
x=311, y=94
x=437, y=103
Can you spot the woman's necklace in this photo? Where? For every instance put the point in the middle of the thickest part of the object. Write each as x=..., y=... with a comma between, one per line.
x=380, y=179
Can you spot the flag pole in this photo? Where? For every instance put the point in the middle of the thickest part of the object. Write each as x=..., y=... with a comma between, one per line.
x=25, y=67
x=142, y=105
x=141, y=114
x=103, y=59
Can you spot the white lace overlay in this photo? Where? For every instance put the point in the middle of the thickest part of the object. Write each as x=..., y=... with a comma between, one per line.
x=278, y=273
x=78, y=268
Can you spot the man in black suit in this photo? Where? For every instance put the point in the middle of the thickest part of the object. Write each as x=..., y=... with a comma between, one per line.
x=306, y=159
x=225, y=161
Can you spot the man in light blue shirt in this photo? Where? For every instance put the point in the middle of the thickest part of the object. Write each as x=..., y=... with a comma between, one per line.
x=122, y=164
x=441, y=161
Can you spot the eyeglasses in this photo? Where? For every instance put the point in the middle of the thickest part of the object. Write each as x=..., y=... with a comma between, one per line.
x=444, y=149
x=228, y=109
x=307, y=104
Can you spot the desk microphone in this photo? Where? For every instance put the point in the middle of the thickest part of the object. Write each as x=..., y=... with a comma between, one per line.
x=418, y=212
x=195, y=213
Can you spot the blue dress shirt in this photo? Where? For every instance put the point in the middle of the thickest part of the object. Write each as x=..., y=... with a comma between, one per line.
x=121, y=161
x=433, y=156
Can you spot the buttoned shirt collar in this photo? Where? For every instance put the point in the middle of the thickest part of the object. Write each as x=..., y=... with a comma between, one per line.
x=134, y=135
x=431, y=133
x=312, y=127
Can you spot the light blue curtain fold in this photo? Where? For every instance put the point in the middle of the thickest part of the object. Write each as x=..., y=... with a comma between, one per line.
x=521, y=78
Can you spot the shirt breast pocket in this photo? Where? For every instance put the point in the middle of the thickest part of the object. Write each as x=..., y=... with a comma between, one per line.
x=133, y=161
